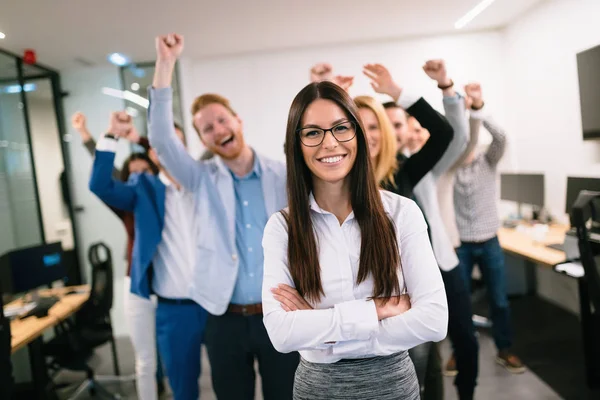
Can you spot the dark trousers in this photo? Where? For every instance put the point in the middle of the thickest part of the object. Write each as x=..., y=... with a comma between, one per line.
x=179, y=332
x=490, y=258
x=426, y=359
x=234, y=342
x=461, y=332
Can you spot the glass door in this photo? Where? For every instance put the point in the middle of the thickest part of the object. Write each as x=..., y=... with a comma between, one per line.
x=20, y=215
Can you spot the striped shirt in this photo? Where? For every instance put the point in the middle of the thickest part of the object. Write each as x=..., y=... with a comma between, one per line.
x=475, y=201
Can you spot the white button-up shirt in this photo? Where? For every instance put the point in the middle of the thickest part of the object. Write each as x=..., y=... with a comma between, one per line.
x=174, y=260
x=344, y=324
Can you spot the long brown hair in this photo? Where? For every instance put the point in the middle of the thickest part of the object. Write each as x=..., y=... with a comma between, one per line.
x=379, y=247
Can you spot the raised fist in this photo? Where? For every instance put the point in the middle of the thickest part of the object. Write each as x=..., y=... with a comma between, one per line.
x=120, y=124
x=473, y=90
x=343, y=81
x=321, y=72
x=78, y=121
x=169, y=47
x=436, y=70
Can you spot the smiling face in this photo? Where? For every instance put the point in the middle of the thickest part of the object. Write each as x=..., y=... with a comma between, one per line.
x=397, y=117
x=418, y=135
x=331, y=161
x=220, y=131
x=372, y=131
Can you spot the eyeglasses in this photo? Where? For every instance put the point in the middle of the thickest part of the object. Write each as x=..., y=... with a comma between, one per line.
x=342, y=132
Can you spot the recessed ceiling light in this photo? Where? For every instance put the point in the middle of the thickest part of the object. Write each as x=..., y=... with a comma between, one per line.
x=118, y=59
x=2, y=35
x=475, y=11
x=28, y=87
x=135, y=86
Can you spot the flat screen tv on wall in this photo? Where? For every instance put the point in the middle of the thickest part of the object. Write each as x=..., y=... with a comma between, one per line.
x=588, y=68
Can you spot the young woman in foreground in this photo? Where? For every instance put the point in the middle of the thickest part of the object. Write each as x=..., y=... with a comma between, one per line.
x=350, y=279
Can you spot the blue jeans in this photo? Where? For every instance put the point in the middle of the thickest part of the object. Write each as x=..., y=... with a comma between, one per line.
x=179, y=332
x=490, y=258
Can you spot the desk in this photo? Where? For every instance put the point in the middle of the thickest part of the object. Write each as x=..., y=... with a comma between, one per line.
x=29, y=331
x=522, y=245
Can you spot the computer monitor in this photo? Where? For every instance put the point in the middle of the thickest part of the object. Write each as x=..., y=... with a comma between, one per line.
x=32, y=267
x=523, y=188
x=575, y=185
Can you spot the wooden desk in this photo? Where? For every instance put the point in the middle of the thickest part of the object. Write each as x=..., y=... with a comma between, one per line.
x=27, y=330
x=522, y=245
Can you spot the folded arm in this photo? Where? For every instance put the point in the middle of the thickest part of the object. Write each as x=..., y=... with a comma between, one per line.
x=427, y=319
x=307, y=329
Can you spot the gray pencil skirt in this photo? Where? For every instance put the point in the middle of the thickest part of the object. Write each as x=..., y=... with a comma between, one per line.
x=382, y=378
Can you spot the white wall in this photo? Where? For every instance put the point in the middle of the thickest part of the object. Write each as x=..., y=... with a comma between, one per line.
x=96, y=222
x=542, y=93
x=543, y=111
x=262, y=86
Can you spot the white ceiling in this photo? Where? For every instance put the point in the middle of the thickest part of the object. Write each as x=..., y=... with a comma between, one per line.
x=63, y=30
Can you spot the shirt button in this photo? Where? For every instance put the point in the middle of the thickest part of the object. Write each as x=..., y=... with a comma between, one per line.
x=245, y=204
x=251, y=275
x=248, y=226
x=250, y=249
x=234, y=257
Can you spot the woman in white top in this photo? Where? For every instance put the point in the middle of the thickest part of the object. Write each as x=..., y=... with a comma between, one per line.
x=350, y=280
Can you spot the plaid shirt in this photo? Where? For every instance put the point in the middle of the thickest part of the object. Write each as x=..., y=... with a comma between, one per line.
x=475, y=201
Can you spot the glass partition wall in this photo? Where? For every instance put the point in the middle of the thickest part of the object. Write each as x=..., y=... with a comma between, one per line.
x=34, y=184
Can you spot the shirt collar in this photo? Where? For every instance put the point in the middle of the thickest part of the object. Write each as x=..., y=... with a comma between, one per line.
x=257, y=167
x=315, y=207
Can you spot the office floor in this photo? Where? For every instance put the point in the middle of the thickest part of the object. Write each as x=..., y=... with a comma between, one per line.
x=495, y=383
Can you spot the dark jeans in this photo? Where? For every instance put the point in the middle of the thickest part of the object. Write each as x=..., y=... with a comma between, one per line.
x=234, y=342
x=490, y=258
x=426, y=359
x=461, y=332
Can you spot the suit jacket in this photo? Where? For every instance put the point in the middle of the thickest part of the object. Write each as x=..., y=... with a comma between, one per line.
x=211, y=183
x=144, y=196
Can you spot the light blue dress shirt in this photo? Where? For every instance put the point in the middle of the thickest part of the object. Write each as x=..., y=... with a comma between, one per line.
x=250, y=220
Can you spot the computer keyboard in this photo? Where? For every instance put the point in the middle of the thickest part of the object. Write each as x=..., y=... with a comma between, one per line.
x=556, y=246
x=44, y=304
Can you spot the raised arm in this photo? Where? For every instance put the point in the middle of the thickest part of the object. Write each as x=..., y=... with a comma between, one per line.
x=306, y=329
x=324, y=72
x=79, y=123
x=498, y=146
x=108, y=189
x=427, y=319
x=474, y=99
x=454, y=110
x=441, y=132
x=161, y=132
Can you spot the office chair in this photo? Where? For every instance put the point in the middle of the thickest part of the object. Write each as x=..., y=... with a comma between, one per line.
x=6, y=378
x=75, y=343
x=584, y=211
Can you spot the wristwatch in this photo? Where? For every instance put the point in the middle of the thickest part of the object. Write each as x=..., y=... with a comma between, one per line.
x=478, y=108
x=448, y=86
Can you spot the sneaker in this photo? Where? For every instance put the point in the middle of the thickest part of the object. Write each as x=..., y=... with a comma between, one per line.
x=511, y=362
x=450, y=369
